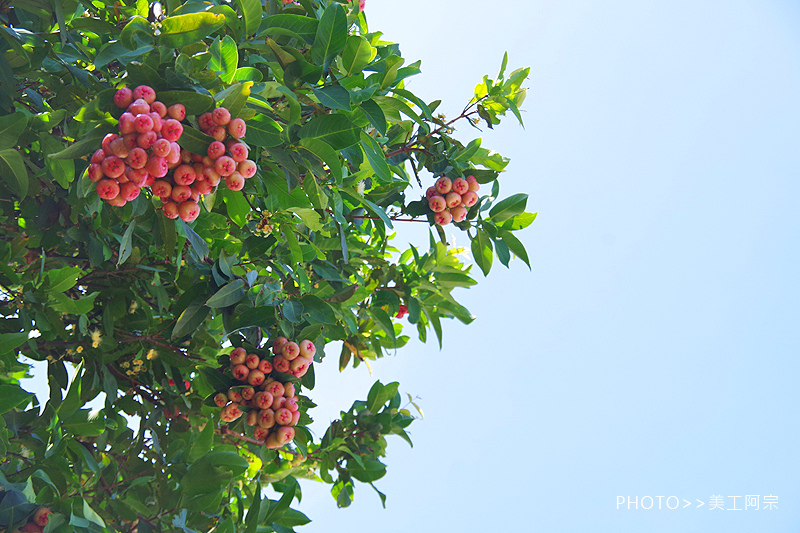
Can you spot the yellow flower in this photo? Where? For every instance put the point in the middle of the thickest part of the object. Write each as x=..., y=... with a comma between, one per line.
x=133, y=307
x=79, y=349
x=95, y=344
x=152, y=354
x=125, y=364
x=138, y=362
x=70, y=351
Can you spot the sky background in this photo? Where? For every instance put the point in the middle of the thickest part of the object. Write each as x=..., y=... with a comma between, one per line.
x=652, y=349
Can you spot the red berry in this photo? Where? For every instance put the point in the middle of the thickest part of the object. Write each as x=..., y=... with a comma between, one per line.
x=221, y=116
x=123, y=98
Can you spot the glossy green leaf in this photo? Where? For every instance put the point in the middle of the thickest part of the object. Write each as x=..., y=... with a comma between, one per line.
x=237, y=97
x=63, y=279
x=515, y=245
x=231, y=293
x=357, y=54
x=263, y=131
x=126, y=245
x=325, y=152
x=194, y=102
x=376, y=158
x=11, y=127
x=336, y=130
x=509, y=207
x=12, y=395
x=13, y=172
x=299, y=26
x=251, y=11
x=137, y=28
x=333, y=96
x=375, y=115
x=224, y=58
x=518, y=222
x=194, y=140
x=331, y=35
x=182, y=30
x=482, y=251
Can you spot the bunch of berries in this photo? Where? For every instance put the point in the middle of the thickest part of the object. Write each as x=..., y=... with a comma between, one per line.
x=272, y=406
x=450, y=199
x=146, y=153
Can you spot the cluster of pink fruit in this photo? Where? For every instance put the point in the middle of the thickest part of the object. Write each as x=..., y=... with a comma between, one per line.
x=450, y=199
x=146, y=153
x=271, y=405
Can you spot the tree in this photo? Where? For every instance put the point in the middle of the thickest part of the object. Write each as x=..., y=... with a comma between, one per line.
x=203, y=323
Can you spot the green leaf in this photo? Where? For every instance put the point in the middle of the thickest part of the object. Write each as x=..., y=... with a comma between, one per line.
x=331, y=35
x=63, y=279
x=224, y=58
x=299, y=26
x=231, y=461
x=356, y=55
x=251, y=13
x=181, y=30
x=325, y=152
x=195, y=141
x=514, y=245
x=64, y=304
x=9, y=342
x=507, y=208
x=11, y=127
x=72, y=401
x=263, y=131
x=13, y=170
x=236, y=205
x=191, y=318
x=251, y=522
x=375, y=115
x=62, y=170
x=518, y=222
x=12, y=395
x=86, y=145
x=203, y=443
x=229, y=294
x=126, y=246
x=136, y=27
x=376, y=158
x=91, y=516
x=468, y=151
x=314, y=193
x=194, y=102
x=381, y=318
x=336, y=130
x=333, y=96
x=482, y=251
x=236, y=97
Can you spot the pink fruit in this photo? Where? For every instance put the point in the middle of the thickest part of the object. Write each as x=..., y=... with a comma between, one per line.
x=295, y=418
x=180, y=193
x=430, y=192
x=247, y=169
x=277, y=345
x=137, y=158
x=255, y=378
x=117, y=201
x=473, y=183
x=202, y=187
x=212, y=176
x=129, y=191
x=307, y=349
x=225, y=165
x=252, y=361
x=275, y=388
x=238, y=356
x=177, y=111
x=170, y=209
x=437, y=204
x=283, y=416
x=95, y=172
x=205, y=122
x=123, y=98
x=157, y=166
x=290, y=350
x=301, y=363
x=230, y=412
x=98, y=156
x=218, y=133
x=159, y=108
x=288, y=390
x=174, y=156
x=234, y=396
x=143, y=123
x=161, y=148
x=221, y=116
x=147, y=139
x=273, y=442
x=240, y=372
x=238, y=152
x=443, y=218
x=188, y=210
x=237, y=128
x=266, y=418
x=107, y=189
x=171, y=130
x=137, y=176
x=216, y=149
x=248, y=393
x=106, y=142
x=443, y=185
x=146, y=93
x=220, y=399
x=278, y=403
x=265, y=366
x=469, y=199
x=453, y=199
x=42, y=516
x=263, y=400
x=260, y=434
x=280, y=363
x=161, y=188
x=235, y=183
x=113, y=166
x=139, y=106
x=285, y=434
x=458, y=213
x=460, y=185
x=184, y=175
x=118, y=148
x=252, y=418
x=291, y=404
x=157, y=122
x=126, y=123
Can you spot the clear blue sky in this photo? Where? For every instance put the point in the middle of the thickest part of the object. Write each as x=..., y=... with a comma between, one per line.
x=653, y=350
